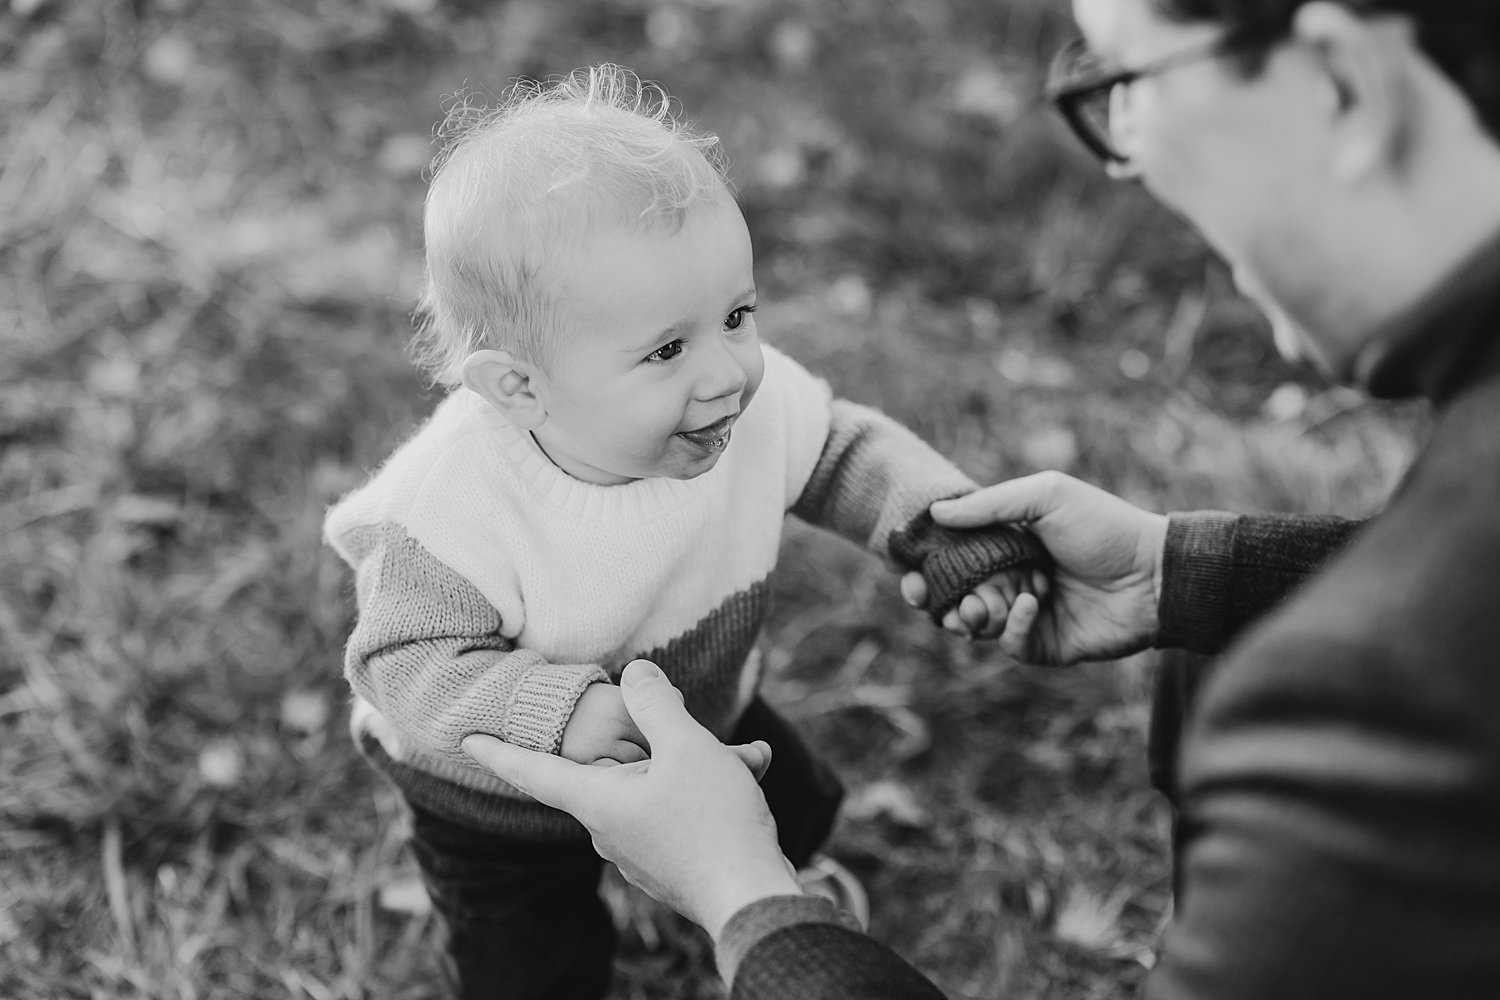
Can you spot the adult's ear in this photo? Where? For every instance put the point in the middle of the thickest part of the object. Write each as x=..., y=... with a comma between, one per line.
x=507, y=384
x=1370, y=101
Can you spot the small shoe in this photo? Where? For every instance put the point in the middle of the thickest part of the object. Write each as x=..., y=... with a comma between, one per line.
x=825, y=877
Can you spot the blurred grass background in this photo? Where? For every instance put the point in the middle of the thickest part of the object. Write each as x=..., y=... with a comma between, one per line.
x=209, y=250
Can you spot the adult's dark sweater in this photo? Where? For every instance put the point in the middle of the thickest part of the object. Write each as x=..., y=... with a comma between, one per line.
x=1339, y=771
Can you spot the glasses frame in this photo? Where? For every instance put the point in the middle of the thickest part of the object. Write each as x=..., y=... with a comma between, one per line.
x=1069, y=95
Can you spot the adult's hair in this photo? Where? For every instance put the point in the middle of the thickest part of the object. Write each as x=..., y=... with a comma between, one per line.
x=521, y=184
x=1461, y=37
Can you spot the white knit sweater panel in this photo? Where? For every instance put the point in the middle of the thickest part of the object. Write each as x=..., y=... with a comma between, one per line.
x=583, y=573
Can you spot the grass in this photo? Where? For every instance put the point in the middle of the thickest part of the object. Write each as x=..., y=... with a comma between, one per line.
x=208, y=253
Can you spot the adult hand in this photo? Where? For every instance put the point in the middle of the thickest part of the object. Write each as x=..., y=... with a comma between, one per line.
x=1106, y=556
x=689, y=826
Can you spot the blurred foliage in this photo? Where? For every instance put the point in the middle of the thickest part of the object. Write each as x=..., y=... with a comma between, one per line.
x=209, y=249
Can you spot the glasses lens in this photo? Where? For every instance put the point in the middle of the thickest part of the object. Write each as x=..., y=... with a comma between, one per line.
x=1079, y=82
x=1092, y=110
x=1073, y=63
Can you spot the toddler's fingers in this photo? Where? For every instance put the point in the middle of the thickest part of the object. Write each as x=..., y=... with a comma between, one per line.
x=1015, y=641
x=914, y=590
x=633, y=734
x=626, y=752
x=953, y=623
x=997, y=607
x=1005, y=587
x=1041, y=583
x=973, y=612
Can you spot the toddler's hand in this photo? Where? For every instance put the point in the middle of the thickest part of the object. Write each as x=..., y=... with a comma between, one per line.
x=601, y=731
x=983, y=612
x=957, y=565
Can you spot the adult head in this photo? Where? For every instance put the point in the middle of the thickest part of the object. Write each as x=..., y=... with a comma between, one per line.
x=1342, y=157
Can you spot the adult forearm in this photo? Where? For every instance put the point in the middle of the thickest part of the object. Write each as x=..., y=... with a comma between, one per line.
x=1222, y=572
x=801, y=946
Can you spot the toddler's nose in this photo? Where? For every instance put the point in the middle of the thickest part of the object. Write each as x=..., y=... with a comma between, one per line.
x=724, y=375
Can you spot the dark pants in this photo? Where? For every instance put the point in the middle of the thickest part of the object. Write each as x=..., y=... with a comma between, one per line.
x=524, y=917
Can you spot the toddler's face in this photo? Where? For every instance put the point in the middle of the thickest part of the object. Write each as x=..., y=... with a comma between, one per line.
x=662, y=356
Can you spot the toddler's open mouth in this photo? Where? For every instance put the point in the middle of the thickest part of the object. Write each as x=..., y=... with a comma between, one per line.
x=713, y=437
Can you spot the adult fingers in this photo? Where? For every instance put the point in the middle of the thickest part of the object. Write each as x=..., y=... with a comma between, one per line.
x=1024, y=499
x=546, y=777
x=657, y=707
x=756, y=756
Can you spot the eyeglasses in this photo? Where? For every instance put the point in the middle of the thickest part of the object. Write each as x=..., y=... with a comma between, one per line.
x=1081, y=85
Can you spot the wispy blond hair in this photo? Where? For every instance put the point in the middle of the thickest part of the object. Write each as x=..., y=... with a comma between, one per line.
x=519, y=183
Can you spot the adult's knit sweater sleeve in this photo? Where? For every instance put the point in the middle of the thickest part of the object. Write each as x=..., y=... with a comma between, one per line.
x=427, y=653
x=1221, y=572
x=800, y=946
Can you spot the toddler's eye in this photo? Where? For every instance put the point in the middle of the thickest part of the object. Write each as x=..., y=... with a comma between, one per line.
x=666, y=352
x=737, y=318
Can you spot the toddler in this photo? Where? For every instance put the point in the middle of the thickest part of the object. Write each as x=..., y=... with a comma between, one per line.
x=606, y=480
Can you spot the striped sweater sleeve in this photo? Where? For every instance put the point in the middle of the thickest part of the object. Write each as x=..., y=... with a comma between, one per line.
x=873, y=477
x=873, y=484
x=428, y=654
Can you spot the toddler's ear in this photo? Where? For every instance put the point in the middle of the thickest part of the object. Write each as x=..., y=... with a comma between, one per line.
x=505, y=383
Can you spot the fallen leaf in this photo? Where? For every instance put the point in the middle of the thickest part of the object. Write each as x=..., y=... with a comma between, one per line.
x=406, y=895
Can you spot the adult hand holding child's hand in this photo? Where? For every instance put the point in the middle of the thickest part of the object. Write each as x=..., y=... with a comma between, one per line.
x=689, y=825
x=1106, y=564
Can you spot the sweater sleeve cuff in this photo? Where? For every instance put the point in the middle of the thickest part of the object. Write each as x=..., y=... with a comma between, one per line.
x=544, y=701
x=1196, y=564
x=759, y=919
x=953, y=561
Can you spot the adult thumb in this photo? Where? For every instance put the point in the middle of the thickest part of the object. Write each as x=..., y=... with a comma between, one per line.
x=1023, y=499
x=655, y=705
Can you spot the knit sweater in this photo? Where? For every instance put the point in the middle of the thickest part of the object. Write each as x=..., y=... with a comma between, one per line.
x=493, y=588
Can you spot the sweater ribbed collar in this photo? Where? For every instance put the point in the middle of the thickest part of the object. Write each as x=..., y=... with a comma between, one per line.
x=1448, y=341
x=534, y=470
